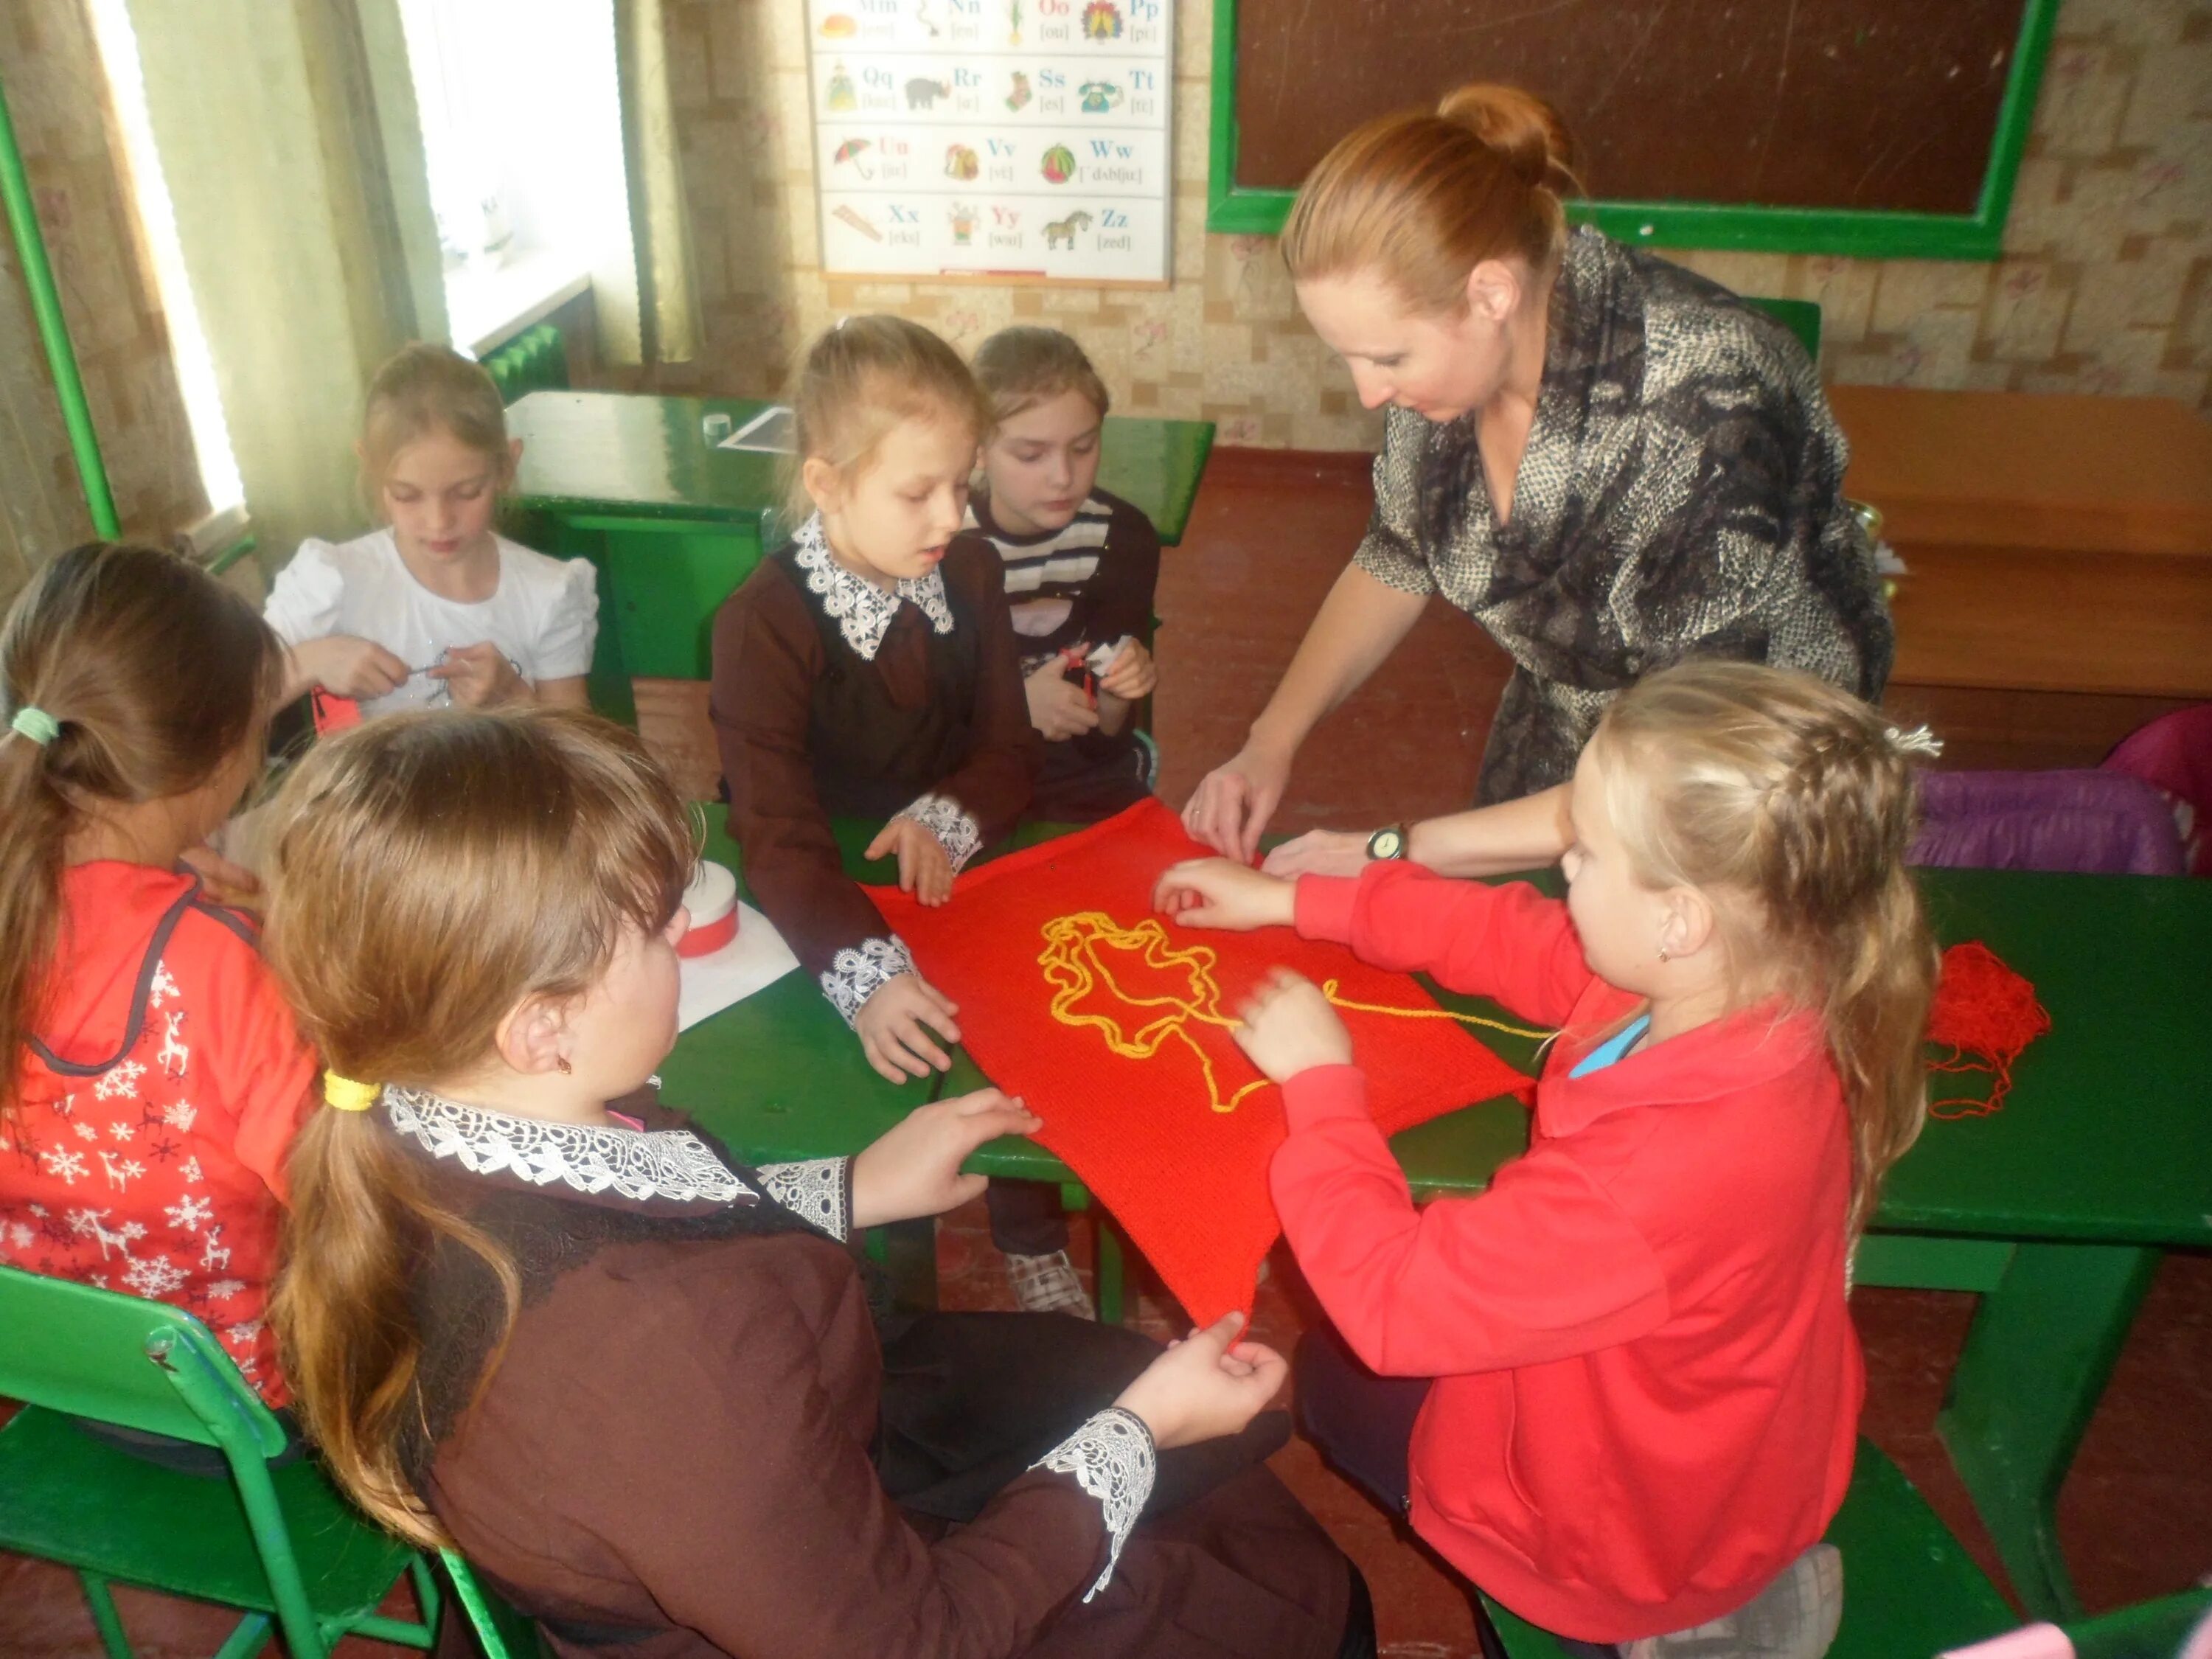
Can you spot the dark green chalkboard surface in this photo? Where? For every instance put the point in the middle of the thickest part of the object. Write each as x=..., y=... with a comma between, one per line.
x=1881, y=127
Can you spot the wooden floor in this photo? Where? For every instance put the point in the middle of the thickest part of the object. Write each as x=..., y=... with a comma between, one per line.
x=1269, y=535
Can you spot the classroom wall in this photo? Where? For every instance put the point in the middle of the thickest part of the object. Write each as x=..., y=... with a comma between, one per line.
x=57, y=97
x=2105, y=285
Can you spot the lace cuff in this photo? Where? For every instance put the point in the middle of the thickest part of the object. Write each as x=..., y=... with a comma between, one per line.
x=858, y=971
x=1112, y=1458
x=819, y=1192
x=959, y=834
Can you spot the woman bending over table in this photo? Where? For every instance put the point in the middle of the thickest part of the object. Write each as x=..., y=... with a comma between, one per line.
x=1608, y=462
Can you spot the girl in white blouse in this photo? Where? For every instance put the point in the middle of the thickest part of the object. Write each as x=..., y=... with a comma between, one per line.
x=436, y=606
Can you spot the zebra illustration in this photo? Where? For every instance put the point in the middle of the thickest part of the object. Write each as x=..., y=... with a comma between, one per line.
x=1057, y=231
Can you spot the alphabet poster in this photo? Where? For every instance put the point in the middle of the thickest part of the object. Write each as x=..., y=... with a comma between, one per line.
x=1017, y=140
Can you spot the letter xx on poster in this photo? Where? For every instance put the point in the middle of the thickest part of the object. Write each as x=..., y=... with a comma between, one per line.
x=1009, y=139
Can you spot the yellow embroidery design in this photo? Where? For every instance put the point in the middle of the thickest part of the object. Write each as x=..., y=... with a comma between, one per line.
x=1074, y=968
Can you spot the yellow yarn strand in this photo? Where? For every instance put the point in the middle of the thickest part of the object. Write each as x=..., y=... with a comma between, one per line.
x=1074, y=968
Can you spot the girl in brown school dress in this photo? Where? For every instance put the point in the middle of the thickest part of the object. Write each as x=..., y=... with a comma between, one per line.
x=528, y=1310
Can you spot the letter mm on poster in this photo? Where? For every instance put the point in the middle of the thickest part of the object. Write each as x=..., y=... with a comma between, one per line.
x=1007, y=140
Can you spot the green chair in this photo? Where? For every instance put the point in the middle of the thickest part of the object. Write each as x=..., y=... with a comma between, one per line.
x=501, y=1632
x=536, y=360
x=1910, y=1590
x=279, y=1544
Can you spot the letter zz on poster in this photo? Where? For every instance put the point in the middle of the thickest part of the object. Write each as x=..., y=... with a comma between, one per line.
x=1008, y=140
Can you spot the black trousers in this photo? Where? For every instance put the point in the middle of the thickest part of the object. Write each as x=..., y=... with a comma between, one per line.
x=1363, y=1423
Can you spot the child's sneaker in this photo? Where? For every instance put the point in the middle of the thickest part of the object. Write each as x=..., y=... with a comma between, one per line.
x=1048, y=1283
x=1794, y=1617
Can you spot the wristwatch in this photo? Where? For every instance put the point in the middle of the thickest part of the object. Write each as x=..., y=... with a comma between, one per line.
x=1390, y=841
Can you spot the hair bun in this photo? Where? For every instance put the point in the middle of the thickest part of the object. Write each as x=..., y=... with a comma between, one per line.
x=1522, y=128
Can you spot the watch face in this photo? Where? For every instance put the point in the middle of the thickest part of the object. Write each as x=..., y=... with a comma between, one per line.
x=1386, y=844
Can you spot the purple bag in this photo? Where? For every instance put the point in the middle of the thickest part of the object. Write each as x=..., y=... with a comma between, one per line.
x=2086, y=823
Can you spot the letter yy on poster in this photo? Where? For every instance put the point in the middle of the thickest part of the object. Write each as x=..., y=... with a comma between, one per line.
x=1011, y=139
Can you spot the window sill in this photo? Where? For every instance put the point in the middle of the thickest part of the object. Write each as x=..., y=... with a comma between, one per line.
x=485, y=309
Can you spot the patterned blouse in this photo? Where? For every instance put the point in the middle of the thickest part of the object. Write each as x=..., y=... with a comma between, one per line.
x=1681, y=496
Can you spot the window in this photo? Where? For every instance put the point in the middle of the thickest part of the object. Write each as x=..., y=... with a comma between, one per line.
x=521, y=113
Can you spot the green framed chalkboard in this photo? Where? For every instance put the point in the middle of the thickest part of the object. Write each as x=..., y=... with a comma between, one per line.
x=1881, y=129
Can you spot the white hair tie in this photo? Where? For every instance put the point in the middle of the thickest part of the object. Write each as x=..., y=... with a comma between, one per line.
x=1919, y=741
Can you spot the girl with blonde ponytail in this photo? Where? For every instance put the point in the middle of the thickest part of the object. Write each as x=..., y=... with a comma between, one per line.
x=1646, y=1386
x=1609, y=463
x=532, y=1312
x=152, y=1079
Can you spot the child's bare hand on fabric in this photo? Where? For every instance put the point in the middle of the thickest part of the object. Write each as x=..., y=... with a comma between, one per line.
x=1290, y=1027
x=227, y=882
x=1205, y=1386
x=1057, y=706
x=480, y=676
x=894, y=1026
x=1132, y=675
x=924, y=870
x=346, y=666
x=1216, y=893
x=913, y=1169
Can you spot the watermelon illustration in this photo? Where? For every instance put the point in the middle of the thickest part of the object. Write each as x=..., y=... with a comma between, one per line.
x=1058, y=164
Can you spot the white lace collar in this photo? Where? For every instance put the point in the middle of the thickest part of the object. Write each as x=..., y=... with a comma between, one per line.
x=863, y=610
x=661, y=1164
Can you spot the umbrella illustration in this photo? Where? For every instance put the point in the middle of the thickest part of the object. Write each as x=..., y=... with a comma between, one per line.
x=848, y=151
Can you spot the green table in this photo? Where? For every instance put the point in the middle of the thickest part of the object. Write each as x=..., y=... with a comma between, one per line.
x=673, y=523
x=2055, y=1209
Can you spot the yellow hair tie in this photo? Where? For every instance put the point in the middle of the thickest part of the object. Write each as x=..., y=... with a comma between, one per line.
x=347, y=1095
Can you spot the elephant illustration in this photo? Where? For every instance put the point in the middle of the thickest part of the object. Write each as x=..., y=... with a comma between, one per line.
x=922, y=93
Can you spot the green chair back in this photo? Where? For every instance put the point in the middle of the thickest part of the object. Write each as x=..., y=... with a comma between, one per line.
x=90, y=1358
x=536, y=360
x=1800, y=317
x=280, y=1545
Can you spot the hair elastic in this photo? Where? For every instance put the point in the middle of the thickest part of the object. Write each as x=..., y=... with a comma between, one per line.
x=349, y=1096
x=36, y=724
x=1919, y=741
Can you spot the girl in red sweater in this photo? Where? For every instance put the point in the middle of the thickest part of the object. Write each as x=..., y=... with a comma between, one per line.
x=1621, y=1389
x=150, y=1075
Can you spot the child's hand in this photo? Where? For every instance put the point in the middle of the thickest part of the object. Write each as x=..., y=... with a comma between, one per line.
x=226, y=882
x=913, y=1167
x=894, y=1026
x=1288, y=1027
x=924, y=870
x=1215, y=893
x=1057, y=705
x=1205, y=1386
x=346, y=666
x=480, y=676
x=1132, y=675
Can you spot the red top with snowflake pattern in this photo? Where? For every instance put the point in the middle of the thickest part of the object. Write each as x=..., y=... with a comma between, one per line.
x=158, y=1102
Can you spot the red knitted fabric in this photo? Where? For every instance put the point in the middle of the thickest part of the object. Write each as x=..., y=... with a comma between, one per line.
x=1188, y=1184
x=1985, y=1015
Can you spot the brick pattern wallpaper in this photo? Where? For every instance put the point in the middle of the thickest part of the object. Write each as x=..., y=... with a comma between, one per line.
x=2105, y=285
